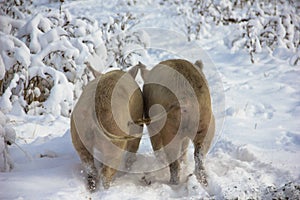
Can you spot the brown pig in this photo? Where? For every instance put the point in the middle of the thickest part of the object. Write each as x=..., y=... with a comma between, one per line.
x=180, y=90
x=99, y=124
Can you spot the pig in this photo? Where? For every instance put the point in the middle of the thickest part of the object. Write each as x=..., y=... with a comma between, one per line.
x=180, y=90
x=99, y=125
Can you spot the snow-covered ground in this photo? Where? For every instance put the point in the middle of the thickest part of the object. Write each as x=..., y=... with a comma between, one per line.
x=256, y=153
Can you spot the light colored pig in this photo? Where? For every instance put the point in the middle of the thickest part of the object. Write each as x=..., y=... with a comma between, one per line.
x=179, y=89
x=99, y=124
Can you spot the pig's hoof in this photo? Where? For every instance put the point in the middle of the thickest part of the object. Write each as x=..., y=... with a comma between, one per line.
x=146, y=181
x=91, y=183
x=106, y=184
x=202, y=178
x=174, y=180
x=129, y=162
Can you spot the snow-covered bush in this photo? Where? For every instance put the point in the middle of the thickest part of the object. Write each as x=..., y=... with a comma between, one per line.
x=271, y=26
x=259, y=26
x=195, y=15
x=42, y=58
x=43, y=54
x=124, y=44
x=7, y=137
x=287, y=191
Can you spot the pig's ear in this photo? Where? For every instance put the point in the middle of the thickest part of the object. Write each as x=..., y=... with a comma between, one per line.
x=95, y=73
x=140, y=66
x=133, y=71
x=144, y=70
x=199, y=64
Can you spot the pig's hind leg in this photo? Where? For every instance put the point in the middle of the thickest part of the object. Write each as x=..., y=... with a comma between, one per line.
x=87, y=160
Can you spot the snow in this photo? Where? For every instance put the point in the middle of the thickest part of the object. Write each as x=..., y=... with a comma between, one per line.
x=255, y=153
x=7, y=137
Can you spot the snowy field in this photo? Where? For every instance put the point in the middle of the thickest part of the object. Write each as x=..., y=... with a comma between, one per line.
x=256, y=151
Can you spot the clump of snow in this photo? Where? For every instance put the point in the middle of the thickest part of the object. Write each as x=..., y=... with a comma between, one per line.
x=7, y=137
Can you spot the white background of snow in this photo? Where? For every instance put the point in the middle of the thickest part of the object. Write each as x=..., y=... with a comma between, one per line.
x=259, y=145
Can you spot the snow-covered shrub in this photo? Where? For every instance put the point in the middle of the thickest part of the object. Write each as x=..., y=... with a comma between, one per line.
x=257, y=25
x=195, y=15
x=7, y=137
x=14, y=63
x=49, y=91
x=124, y=45
x=287, y=191
x=127, y=2
x=16, y=9
x=44, y=51
x=42, y=58
x=271, y=26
